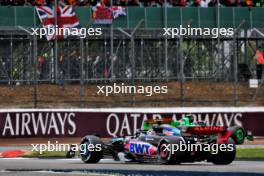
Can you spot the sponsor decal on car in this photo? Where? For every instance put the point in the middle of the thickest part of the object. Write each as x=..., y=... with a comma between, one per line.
x=142, y=148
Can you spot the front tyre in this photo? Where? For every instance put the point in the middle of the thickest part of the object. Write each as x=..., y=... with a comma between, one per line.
x=91, y=149
x=166, y=153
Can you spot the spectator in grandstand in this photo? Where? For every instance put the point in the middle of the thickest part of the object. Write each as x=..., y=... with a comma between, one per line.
x=41, y=65
x=246, y=3
x=153, y=3
x=196, y=3
x=230, y=2
x=174, y=2
x=120, y=2
x=27, y=3
x=93, y=2
x=258, y=3
x=166, y=4
x=9, y=2
x=181, y=3
x=61, y=67
x=39, y=2
x=249, y=3
x=212, y=3
x=19, y=2
x=134, y=3
x=105, y=2
x=75, y=58
x=260, y=62
x=71, y=2
x=205, y=3
x=5, y=2
x=160, y=2
x=84, y=3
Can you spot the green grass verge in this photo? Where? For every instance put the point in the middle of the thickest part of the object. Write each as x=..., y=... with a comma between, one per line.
x=241, y=153
x=250, y=153
x=46, y=154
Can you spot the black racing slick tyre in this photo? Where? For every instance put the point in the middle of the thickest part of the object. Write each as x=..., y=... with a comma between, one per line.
x=224, y=157
x=167, y=154
x=91, y=149
x=238, y=134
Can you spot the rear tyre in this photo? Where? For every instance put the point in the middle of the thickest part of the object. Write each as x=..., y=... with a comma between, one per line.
x=224, y=157
x=89, y=147
x=166, y=154
x=238, y=134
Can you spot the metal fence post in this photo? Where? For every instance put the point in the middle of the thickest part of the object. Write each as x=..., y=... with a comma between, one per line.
x=11, y=60
x=220, y=60
x=35, y=56
x=235, y=71
x=181, y=72
x=82, y=75
x=133, y=67
x=166, y=41
x=112, y=45
x=56, y=45
x=132, y=43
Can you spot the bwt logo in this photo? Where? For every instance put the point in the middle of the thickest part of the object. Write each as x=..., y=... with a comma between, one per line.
x=139, y=148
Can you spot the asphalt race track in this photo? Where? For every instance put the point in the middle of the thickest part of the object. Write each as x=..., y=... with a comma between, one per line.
x=27, y=166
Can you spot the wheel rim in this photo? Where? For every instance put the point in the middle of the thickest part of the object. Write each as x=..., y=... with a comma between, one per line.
x=240, y=134
x=164, y=153
x=85, y=154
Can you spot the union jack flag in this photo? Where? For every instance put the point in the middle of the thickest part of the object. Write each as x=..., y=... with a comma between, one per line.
x=66, y=18
x=118, y=11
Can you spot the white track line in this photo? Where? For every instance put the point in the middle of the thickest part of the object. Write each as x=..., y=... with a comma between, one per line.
x=63, y=159
x=15, y=158
x=147, y=110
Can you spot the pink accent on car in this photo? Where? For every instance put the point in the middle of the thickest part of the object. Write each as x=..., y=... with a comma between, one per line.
x=126, y=146
x=153, y=150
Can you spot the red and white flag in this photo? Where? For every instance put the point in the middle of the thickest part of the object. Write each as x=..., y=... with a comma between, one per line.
x=105, y=15
x=66, y=18
x=102, y=14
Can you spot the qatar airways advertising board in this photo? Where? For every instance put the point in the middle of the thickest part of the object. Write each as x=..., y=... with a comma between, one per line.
x=44, y=123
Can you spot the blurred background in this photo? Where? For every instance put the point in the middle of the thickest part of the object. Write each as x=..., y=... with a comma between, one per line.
x=198, y=70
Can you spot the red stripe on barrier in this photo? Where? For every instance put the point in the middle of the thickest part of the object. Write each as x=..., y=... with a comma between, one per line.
x=13, y=154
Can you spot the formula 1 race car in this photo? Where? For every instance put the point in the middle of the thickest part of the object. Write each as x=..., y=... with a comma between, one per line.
x=163, y=126
x=162, y=141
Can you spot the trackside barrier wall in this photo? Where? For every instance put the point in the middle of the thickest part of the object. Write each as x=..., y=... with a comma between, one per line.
x=19, y=123
x=153, y=17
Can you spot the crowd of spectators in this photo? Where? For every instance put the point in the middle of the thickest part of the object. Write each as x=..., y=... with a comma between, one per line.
x=140, y=3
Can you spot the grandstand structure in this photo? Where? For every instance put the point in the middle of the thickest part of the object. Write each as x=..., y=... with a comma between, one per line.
x=199, y=70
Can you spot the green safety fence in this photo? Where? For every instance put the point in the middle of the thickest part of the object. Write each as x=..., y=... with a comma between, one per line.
x=154, y=18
